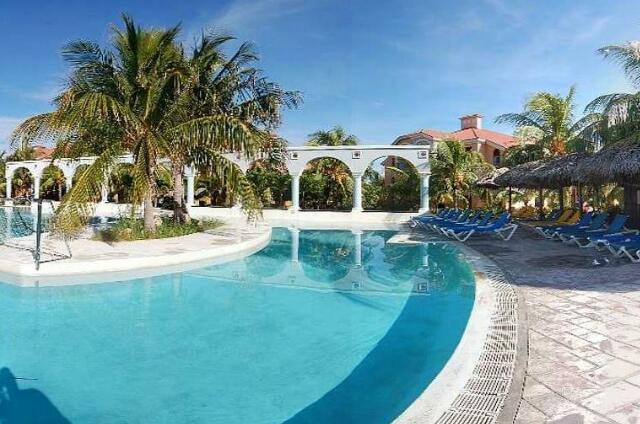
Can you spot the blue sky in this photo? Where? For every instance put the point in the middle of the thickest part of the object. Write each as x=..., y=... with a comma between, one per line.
x=379, y=68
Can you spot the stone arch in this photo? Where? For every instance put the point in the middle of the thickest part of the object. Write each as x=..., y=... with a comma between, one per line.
x=326, y=183
x=271, y=181
x=20, y=182
x=53, y=182
x=386, y=172
x=121, y=182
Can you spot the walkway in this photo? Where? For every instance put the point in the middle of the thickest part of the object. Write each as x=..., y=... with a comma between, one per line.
x=584, y=331
x=96, y=261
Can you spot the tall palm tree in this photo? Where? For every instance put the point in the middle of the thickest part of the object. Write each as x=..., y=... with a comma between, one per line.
x=552, y=114
x=455, y=168
x=217, y=85
x=130, y=92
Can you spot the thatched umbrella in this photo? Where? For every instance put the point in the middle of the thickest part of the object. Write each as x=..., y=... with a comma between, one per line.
x=488, y=180
x=559, y=172
x=616, y=163
x=518, y=176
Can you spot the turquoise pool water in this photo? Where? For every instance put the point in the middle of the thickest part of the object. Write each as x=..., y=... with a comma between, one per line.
x=318, y=327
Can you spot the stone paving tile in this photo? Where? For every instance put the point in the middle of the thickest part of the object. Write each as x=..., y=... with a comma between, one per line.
x=615, y=370
x=613, y=398
x=584, y=332
x=550, y=403
x=629, y=414
x=578, y=415
x=527, y=414
x=569, y=385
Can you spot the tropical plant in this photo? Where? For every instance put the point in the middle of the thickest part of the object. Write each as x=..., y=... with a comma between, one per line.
x=455, y=170
x=133, y=92
x=613, y=117
x=337, y=136
x=231, y=94
x=552, y=114
x=327, y=183
x=52, y=182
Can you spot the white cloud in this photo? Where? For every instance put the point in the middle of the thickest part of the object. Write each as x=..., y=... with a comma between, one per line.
x=243, y=15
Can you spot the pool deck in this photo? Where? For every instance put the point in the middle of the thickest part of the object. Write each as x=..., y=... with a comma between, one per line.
x=583, y=330
x=97, y=261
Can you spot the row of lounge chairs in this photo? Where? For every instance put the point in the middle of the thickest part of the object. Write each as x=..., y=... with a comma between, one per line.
x=591, y=230
x=462, y=224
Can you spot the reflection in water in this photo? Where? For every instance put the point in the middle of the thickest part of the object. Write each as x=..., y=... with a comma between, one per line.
x=320, y=326
x=350, y=261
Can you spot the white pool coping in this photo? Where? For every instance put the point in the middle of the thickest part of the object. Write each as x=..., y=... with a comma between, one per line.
x=145, y=258
x=444, y=389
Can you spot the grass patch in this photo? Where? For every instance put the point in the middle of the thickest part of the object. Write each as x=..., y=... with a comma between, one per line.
x=129, y=229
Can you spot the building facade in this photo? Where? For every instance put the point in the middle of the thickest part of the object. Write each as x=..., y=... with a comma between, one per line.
x=490, y=144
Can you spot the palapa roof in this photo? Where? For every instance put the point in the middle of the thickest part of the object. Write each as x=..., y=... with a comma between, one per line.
x=618, y=162
x=556, y=172
x=518, y=176
x=488, y=180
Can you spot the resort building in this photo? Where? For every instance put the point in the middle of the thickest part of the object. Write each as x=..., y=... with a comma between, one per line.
x=490, y=144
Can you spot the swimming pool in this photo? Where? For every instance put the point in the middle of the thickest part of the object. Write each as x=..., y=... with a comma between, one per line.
x=319, y=326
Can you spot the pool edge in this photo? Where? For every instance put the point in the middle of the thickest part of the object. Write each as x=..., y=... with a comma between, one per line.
x=102, y=271
x=448, y=398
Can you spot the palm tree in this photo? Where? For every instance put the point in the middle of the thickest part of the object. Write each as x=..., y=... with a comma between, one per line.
x=616, y=116
x=130, y=95
x=455, y=168
x=552, y=114
x=336, y=136
x=217, y=86
x=334, y=172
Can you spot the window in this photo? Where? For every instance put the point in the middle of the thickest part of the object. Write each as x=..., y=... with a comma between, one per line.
x=496, y=157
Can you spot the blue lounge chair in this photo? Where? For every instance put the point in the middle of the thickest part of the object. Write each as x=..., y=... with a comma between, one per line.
x=550, y=233
x=600, y=242
x=463, y=217
x=616, y=227
x=629, y=247
x=479, y=218
x=467, y=216
x=501, y=225
x=428, y=216
x=597, y=222
x=424, y=221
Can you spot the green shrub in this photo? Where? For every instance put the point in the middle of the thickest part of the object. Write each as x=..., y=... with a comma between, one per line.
x=128, y=229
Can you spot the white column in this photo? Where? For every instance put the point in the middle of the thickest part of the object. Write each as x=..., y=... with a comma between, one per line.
x=191, y=194
x=357, y=236
x=68, y=182
x=295, y=192
x=295, y=243
x=36, y=187
x=8, y=182
x=357, y=192
x=104, y=192
x=424, y=192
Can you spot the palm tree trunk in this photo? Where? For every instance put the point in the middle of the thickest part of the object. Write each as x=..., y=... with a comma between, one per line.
x=149, y=216
x=180, y=212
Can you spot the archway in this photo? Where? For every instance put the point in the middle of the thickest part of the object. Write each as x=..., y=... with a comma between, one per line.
x=271, y=181
x=391, y=183
x=21, y=183
x=326, y=184
x=121, y=183
x=53, y=183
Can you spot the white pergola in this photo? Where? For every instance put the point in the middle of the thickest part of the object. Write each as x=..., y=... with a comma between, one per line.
x=356, y=158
